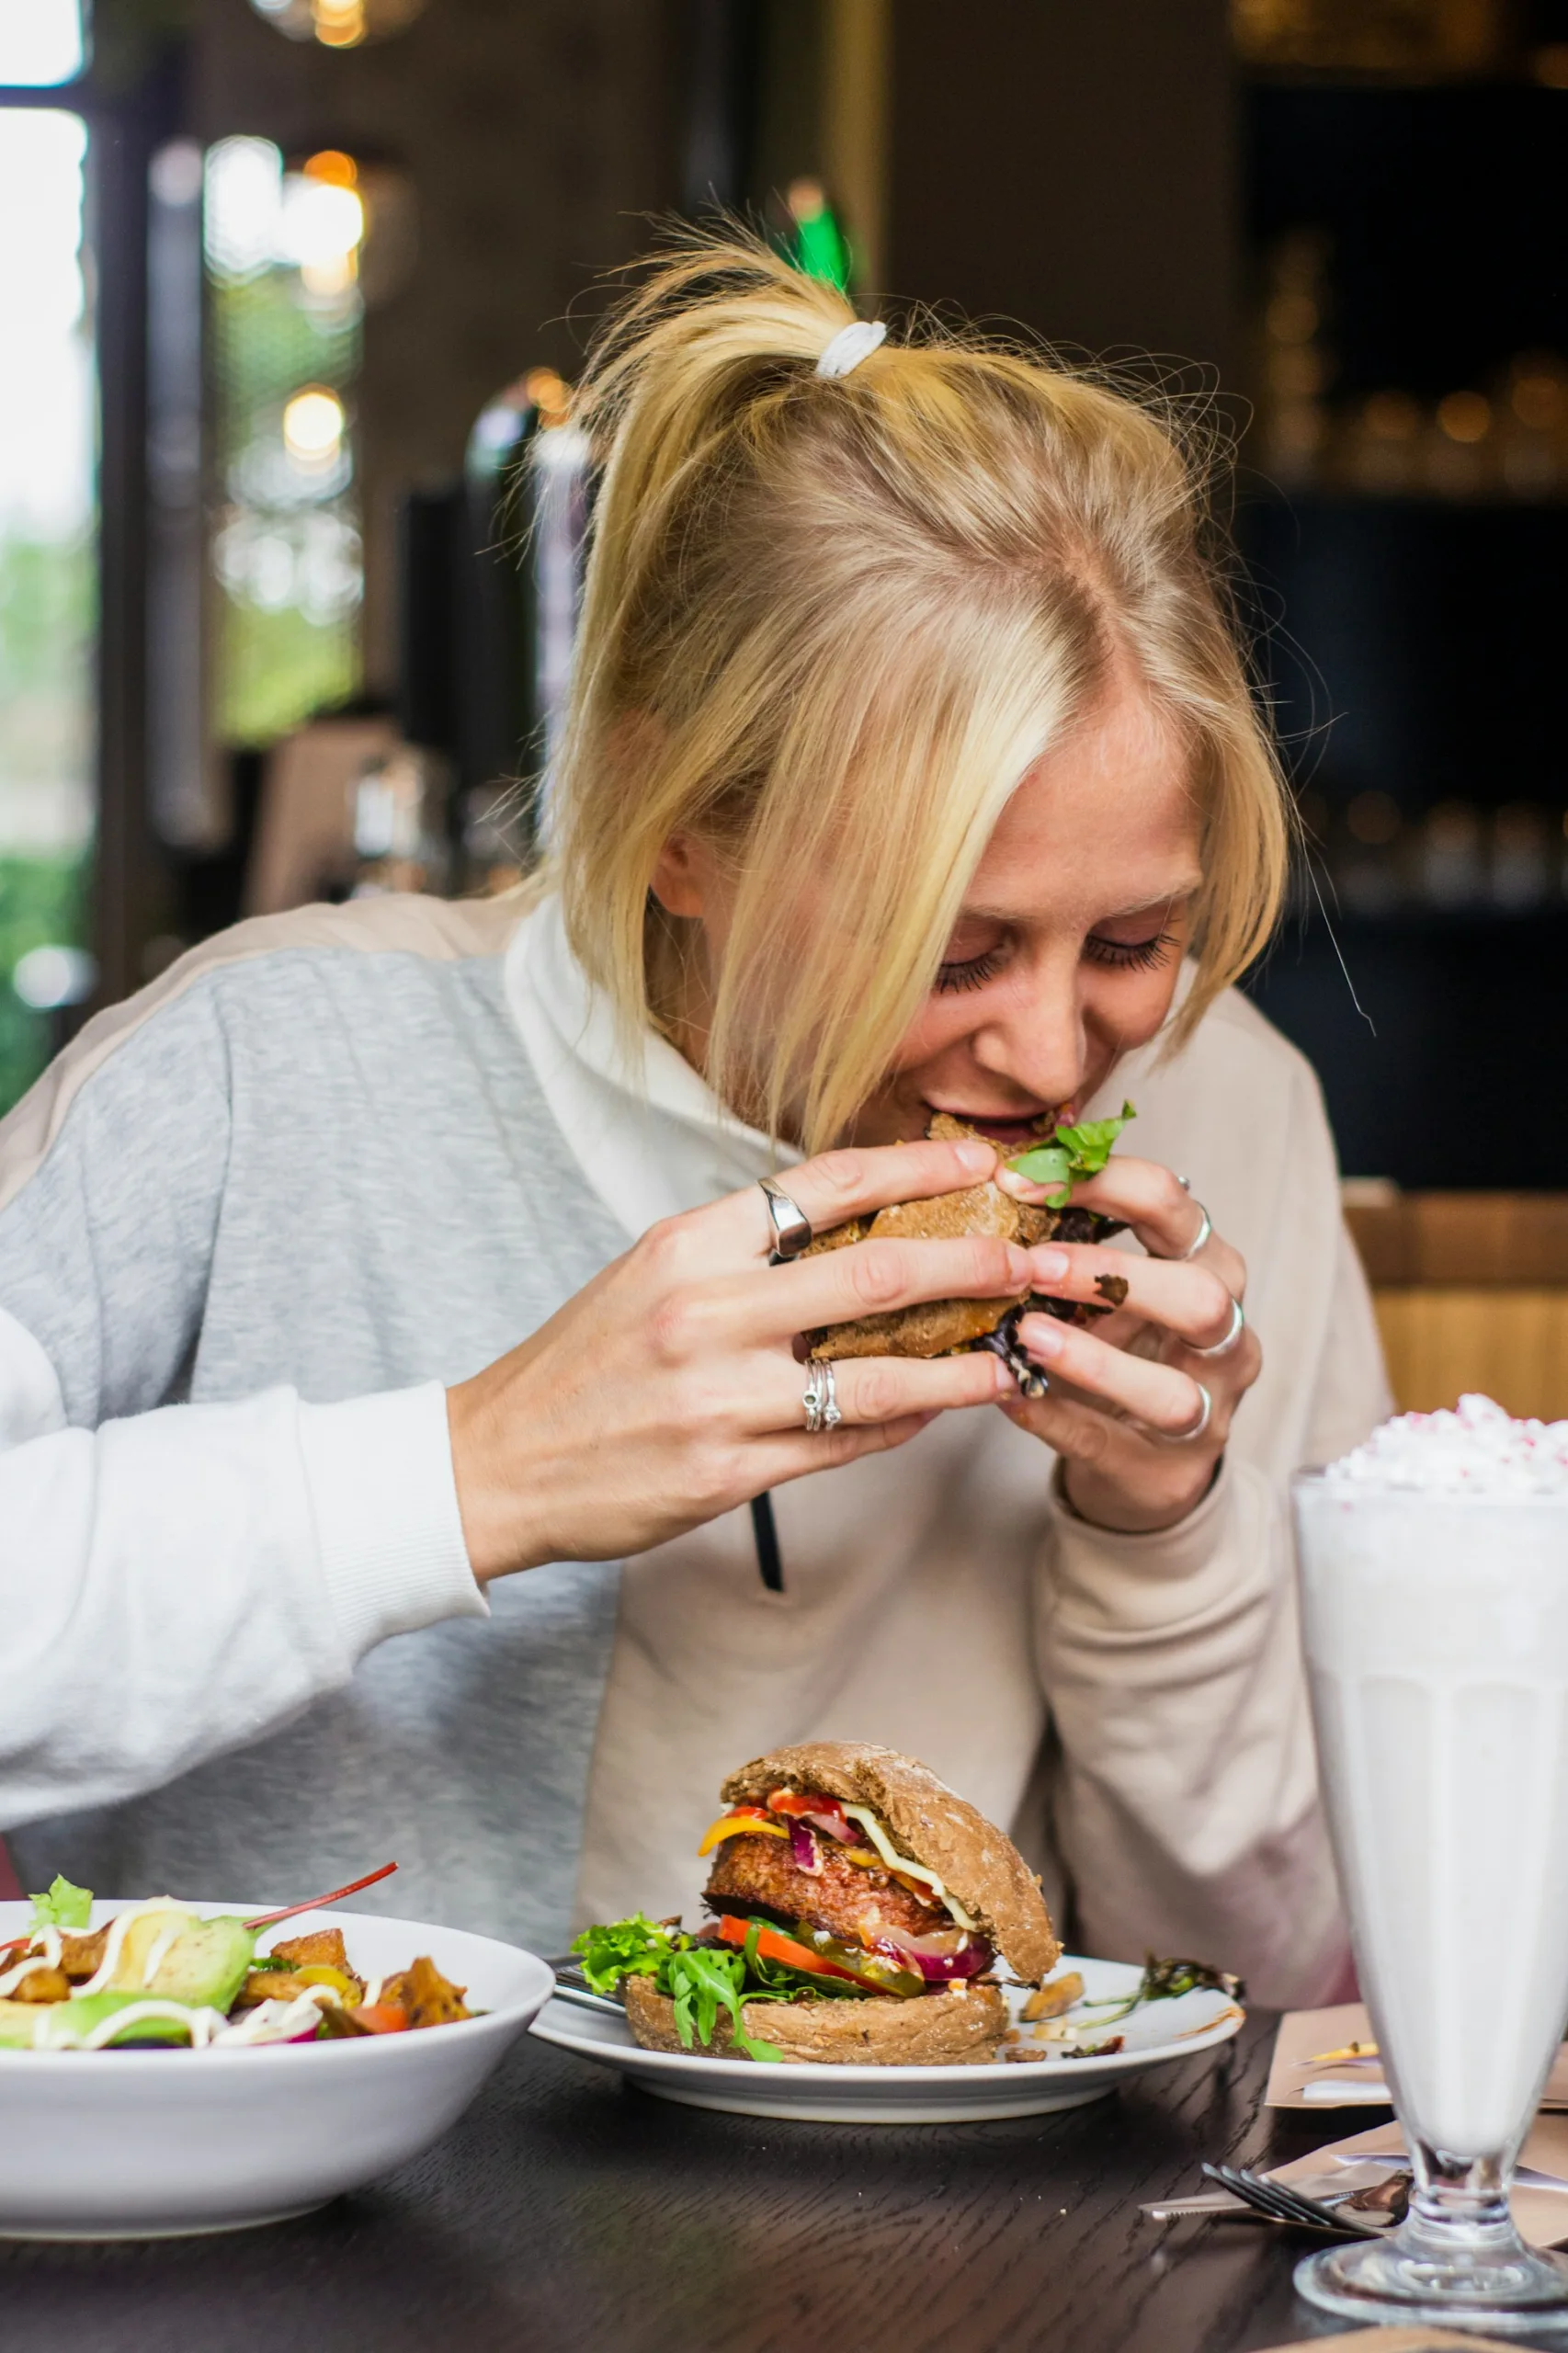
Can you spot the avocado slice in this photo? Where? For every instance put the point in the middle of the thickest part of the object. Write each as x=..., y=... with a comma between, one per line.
x=63, y=2026
x=205, y=1966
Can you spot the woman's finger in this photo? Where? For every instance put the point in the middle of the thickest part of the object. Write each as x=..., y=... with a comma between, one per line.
x=1163, y=1215
x=875, y=1389
x=1194, y=1300
x=837, y=1186
x=1159, y=1396
x=840, y=1287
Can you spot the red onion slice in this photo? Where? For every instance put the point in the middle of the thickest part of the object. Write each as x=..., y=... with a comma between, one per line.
x=804, y=1850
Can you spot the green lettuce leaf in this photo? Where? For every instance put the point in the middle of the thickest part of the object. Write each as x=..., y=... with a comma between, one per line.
x=701, y=1980
x=63, y=1908
x=1071, y=1154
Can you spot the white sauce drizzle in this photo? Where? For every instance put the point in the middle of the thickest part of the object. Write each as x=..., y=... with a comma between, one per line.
x=159, y=1948
x=103, y=1977
x=53, y=2031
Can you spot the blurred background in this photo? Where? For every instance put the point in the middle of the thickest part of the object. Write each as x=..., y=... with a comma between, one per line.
x=292, y=291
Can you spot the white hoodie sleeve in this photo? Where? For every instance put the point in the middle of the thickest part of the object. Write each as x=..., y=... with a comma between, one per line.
x=175, y=1579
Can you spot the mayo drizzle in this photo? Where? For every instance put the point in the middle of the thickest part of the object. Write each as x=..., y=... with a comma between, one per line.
x=51, y=2035
x=48, y=1959
x=102, y=1976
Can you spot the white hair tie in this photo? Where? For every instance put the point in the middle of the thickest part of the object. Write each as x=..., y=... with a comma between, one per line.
x=850, y=346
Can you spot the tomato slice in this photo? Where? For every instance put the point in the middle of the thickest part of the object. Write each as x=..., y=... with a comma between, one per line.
x=382, y=2017
x=774, y=1945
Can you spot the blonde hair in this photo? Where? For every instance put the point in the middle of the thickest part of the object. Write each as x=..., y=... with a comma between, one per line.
x=828, y=625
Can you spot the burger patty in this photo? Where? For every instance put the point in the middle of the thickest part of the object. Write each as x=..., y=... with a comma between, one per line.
x=845, y=1898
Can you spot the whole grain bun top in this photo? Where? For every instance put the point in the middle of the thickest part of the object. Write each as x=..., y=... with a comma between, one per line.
x=931, y=1825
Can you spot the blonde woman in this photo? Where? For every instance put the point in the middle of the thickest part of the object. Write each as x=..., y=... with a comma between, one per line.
x=390, y=1348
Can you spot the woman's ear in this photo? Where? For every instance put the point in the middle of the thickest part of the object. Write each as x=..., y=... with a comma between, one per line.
x=680, y=877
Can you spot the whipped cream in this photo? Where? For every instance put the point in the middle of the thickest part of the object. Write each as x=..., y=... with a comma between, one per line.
x=1475, y=1449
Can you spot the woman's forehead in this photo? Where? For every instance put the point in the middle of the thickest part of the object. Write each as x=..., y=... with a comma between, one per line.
x=1109, y=812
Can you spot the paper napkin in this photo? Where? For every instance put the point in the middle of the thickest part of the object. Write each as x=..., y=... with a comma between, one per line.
x=1305, y=2035
x=1540, y=2200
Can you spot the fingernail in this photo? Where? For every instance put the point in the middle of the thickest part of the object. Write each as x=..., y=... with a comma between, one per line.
x=1002, y=1380
x=1020, y=1267
x=978, y=1156
x=1045, y=1338
x=1049, y=1266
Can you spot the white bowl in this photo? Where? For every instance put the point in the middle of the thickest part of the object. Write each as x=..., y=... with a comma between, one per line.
x=130, y=2144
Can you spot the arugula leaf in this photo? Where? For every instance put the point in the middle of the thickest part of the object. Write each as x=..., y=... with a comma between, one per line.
x=1168, y=1981
x=701, y=1980
x=63, y=1908
x=702, y=1983
x=1072, y=1154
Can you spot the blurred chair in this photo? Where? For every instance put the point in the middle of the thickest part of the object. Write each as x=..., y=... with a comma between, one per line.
x=304, y=833
x=1471, y=1293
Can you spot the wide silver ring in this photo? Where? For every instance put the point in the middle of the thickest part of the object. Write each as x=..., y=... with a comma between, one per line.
x=821, y=1400
x=791, y=1226
x=1205, y=1228
x=1205, y=1415
x=1222, y=1347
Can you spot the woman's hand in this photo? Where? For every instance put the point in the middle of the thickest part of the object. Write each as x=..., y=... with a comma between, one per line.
x=1122, y=1393
x=667, y=1391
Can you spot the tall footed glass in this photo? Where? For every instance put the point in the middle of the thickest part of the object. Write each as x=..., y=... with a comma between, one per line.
x=1436, y=1629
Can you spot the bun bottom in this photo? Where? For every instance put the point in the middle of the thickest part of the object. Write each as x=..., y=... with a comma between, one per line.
x=961, y=2027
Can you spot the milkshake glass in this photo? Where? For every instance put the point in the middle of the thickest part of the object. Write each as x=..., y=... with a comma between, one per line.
x=1434, y=1579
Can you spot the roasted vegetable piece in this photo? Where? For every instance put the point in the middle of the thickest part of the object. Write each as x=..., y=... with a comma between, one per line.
x=429, y=1998
x=323, y=1949
x=1056, y=1997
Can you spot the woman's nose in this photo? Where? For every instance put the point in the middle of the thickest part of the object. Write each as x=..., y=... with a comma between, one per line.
x=1037, y=1044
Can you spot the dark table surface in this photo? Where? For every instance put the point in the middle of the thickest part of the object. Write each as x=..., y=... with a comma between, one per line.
x=568, y=2213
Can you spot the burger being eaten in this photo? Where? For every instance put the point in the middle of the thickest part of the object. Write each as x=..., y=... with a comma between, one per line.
x=859, y=1912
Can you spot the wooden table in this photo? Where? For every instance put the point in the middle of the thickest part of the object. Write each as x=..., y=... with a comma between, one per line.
x=569, y=2214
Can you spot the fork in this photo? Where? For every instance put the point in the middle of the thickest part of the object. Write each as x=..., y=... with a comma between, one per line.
x=573, y=1987
x=1283, y=2204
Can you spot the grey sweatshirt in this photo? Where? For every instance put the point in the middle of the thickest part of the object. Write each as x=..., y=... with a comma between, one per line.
x=252, y=1225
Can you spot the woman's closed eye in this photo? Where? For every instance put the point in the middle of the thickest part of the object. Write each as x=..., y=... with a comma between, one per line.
x=969, y=971
x=1130, y=955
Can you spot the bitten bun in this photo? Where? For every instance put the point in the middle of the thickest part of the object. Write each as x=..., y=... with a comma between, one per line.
x=930, y=1825
x=961, y=2027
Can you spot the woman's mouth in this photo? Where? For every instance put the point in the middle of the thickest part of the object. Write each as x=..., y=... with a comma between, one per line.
x=1010, y=1128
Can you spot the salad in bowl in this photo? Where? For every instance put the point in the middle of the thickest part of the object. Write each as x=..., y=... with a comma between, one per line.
x=156, y=1973
x=175, y=2065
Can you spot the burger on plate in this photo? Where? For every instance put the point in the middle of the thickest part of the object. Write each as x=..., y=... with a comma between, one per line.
x=950, y=1326
x=859, y=1913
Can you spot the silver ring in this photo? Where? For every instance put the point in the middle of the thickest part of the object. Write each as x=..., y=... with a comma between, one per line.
x=1222, y=1347
x=821, y=1400
x=1185, y=1183
x=1185, y=1438
x=791, y=1226
x=1205, y=1228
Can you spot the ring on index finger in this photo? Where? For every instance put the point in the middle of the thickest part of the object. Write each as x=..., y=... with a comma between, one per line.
x=791, y=1226
x=1205, y=1229
x=1222, y=1347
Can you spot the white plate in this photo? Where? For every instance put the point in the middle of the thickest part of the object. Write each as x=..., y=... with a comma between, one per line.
x=125, y=2144
x=1154, y=2035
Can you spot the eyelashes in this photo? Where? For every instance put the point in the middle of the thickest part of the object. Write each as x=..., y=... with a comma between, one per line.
x=1121, y=956
x=1130, y=955
x=974, y=974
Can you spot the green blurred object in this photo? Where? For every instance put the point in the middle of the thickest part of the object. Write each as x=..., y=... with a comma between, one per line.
x=42, y=902
x=819, y=247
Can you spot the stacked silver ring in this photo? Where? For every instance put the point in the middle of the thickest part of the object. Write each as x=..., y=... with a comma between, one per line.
x=821, y=1400
x=1222, y=1347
